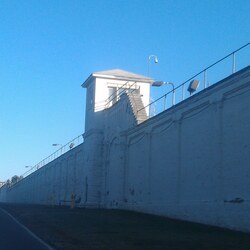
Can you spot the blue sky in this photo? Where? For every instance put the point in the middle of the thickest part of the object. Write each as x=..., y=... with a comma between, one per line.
x=48, y=48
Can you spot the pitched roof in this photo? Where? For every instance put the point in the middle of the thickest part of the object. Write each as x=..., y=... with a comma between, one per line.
x=119, y=74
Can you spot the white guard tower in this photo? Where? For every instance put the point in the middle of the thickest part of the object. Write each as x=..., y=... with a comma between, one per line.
x=104, y=89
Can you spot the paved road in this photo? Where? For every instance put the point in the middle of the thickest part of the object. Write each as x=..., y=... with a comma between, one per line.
x=14, y=236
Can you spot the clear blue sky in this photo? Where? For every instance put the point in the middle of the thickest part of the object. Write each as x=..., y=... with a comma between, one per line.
x=48, y=48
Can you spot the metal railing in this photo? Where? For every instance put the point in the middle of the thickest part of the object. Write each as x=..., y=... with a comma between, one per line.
x=2, y=183
x=180, y=92
x=62, y=150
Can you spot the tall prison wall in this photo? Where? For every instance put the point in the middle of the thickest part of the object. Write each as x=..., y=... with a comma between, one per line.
x=51, y=184
x=190, y=162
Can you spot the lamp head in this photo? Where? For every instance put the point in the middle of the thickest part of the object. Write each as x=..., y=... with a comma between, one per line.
x=158, y=83
x=193, y=86
x=155, y=57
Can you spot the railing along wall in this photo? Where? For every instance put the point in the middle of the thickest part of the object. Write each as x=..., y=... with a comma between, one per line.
x=62, y=150
x=2, y=183
x=180, y=93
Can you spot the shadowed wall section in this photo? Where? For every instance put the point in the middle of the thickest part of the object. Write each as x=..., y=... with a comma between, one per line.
x=192, y=161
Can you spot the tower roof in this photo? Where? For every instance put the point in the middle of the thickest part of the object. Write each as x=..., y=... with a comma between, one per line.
x=118, y=74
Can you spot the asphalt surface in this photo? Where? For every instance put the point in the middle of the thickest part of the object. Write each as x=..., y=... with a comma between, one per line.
x=102, y=229
x=14, y=236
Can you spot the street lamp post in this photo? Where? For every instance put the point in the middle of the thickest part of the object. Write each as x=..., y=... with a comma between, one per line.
x=149, y=59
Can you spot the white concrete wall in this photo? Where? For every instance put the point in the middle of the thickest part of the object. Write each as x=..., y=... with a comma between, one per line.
x=192, y=161
x=53, y=183
x=117, y=118
x=93, y=177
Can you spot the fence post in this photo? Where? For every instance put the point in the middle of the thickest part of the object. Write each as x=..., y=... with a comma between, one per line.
x=165, y=101
x=205, y=78
x=183, y=91
x=233, y=67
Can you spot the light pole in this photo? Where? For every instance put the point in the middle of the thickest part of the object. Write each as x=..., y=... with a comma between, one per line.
x=149, y=59
x=160, y=83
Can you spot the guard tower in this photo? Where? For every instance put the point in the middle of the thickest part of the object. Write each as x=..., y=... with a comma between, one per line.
x=104, y=90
